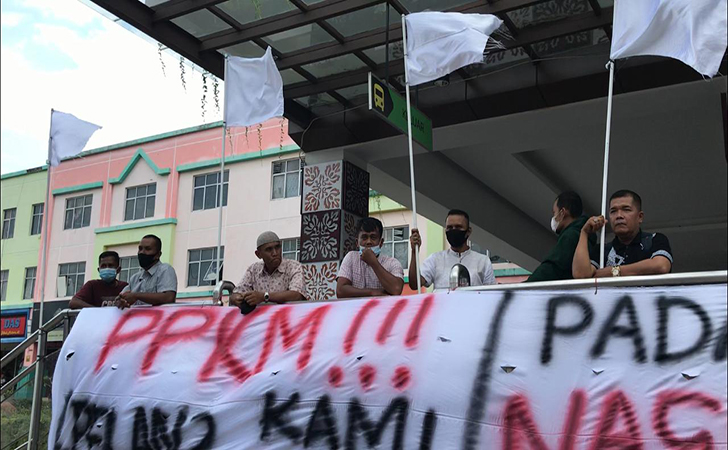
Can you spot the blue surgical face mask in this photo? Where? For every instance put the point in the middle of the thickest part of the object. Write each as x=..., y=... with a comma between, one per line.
x=376, y=249
x=107, y=275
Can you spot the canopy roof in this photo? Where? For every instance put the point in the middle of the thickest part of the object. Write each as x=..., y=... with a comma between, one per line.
x=509, y=133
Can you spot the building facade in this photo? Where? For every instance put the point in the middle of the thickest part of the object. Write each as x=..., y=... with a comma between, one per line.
x=109, y=198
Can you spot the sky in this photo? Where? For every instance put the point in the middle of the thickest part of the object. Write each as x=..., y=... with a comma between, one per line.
x=62, y=54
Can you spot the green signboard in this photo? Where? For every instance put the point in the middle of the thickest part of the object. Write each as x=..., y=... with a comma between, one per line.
x=387, y=103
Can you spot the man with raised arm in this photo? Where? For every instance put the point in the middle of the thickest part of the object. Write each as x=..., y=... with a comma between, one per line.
x=436, y=268
x=366, y=272
x=631, y=252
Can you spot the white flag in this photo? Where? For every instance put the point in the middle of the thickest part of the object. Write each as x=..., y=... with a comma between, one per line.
x=693, y=31
x=69, y=136
x=439, y=43
x=253, y=90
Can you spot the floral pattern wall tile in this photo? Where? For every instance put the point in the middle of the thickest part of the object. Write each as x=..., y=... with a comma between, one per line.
x=356, y=190
x=322, y=186
x=321, y=279
x=349, y=242
x=320, y=236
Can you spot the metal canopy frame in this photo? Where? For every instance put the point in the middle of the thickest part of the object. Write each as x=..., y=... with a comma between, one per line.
x=207, y=50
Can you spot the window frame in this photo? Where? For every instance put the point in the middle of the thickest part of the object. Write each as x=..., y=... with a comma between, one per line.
x=225, y=189
x=138, y=198
x=296, y=252
x=39, y=216
x=33, y=280
x=129, y=271
x=83, y=212
x=4, y=276
x=8, y=231
x=200, y=261
x=405, y=239
x=285, y=174
x=77, y=274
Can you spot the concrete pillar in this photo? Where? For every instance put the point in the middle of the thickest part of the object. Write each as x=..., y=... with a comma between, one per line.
x=335, y=196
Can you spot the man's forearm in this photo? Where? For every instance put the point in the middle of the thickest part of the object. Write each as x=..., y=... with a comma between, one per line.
x=655, y=266
x=581, y=266
x=413, y=272
x=77, y=303
x=349, y=291
x=393, y=285
x=155, y=299
x=286, y=296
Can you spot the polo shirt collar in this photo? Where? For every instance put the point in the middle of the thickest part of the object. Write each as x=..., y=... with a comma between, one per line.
x=617, y=244
x=152, y=270
x=459, y=255
x=278, y=269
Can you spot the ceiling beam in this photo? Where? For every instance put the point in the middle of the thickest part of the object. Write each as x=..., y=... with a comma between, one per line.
x=526, y=37
x=287, y=21
x=174, y=9
x=141, y=16
x=375, y=38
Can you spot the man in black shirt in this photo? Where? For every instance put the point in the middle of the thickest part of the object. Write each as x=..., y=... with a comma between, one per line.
x=632, y=252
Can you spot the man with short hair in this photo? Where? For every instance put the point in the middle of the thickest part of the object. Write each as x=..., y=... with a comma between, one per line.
x=102, y=292
x=273, y=278
x=155, y=283
x=631, y=252
x=436, y=268
x=366, y=272
x=566, y=222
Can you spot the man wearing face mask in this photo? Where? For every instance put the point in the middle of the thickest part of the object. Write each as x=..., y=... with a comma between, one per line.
x=155, y=283
x=95, y=293
x=436, y=268
x=367, y=272
x=631, y=252
x=566, y=222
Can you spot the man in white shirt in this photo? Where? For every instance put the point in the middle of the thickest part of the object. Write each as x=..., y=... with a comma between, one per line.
x=436, y=268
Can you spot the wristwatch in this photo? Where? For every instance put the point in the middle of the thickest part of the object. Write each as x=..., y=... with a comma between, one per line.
x=616, y=271
x=266, y=297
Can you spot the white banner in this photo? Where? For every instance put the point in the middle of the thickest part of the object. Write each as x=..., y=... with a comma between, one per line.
x=637, y=368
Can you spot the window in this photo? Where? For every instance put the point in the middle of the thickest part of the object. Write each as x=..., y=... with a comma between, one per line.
x=291, y=248
x=9, y=223
x=140, y=202
x=205, y=192
x=36, y=220
x=30, y=274
x=286, y=178
x=70, y=278
x=396, y=244
x=201, y=266
x=78, y=212
x=129, y=266
x=3, y=284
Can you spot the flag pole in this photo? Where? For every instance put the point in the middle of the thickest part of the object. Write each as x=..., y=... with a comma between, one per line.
x=411, y=157
x=33, y=432
x=610, y=65
x=222, y=178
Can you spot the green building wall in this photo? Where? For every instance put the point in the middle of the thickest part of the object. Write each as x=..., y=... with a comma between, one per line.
x=21, y=190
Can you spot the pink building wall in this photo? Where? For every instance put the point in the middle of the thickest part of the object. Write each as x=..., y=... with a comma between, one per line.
x=167, y=151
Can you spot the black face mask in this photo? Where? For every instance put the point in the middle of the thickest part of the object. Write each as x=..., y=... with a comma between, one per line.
x=456, y=238
x=145, y=261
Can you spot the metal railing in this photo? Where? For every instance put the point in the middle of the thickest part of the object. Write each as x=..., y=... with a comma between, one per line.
x=63, y=318
x=40, y=336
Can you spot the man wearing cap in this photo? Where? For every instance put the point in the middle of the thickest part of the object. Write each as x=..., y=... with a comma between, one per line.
x=273, y=278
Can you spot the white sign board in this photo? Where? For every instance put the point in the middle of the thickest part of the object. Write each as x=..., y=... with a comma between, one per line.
x=638, y=368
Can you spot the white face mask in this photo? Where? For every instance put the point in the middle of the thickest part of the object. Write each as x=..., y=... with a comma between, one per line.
x=554, y=224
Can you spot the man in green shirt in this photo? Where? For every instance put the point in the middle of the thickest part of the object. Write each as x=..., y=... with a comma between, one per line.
x=566, y=222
